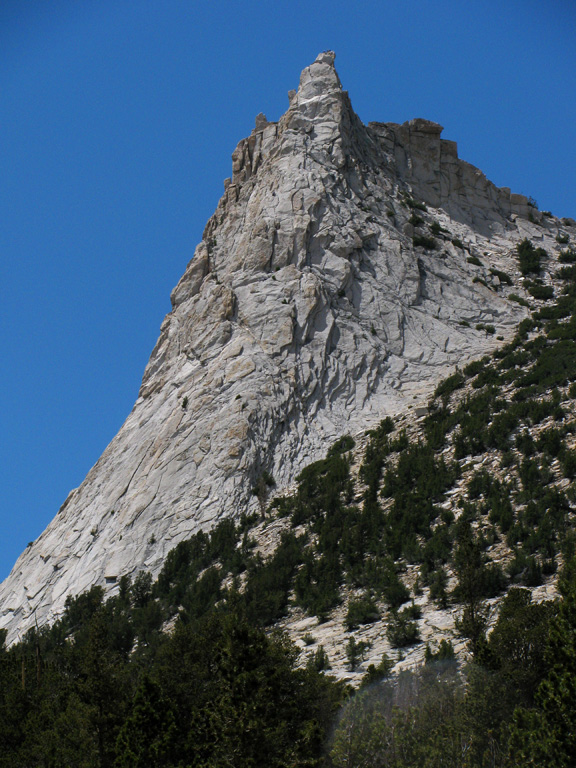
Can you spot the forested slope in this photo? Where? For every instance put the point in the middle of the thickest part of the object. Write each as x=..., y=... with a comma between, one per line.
x=465, y=511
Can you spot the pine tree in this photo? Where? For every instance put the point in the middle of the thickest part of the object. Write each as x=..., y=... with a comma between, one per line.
x=545, y=736
x=145, y=738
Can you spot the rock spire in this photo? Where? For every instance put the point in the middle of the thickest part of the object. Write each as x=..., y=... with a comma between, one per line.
x=343, y=273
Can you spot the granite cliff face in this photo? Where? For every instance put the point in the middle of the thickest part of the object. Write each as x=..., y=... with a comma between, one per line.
x=342, y=275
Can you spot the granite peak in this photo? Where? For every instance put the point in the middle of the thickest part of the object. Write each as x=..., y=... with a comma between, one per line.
x=316, y=303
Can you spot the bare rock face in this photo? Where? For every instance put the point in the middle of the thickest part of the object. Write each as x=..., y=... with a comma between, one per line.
x=313, y=307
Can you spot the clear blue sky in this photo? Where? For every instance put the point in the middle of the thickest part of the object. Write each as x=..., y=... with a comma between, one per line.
x=117, y=122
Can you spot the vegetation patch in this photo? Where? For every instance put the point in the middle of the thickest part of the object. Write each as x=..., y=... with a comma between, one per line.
x=423, y=241
x=529, y=257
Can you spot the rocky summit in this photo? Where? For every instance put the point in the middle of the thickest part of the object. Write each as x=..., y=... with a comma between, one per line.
x=346, y=270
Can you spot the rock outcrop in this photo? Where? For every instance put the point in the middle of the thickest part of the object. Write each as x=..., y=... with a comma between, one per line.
x=342, y=275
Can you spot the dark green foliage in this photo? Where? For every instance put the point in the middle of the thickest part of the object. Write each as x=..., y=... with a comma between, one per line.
x=480, y=484
x=262, y=488
x=474, y=368
x=148, y=731
x=567, y=273
x=567, y=256
x=474, y=260
x=418, y=480
x=437, y=229
x=183, y=562
x=355, y=652
x=349, y=541
x=449, y=385
x=381, y=575
x=438, y=548
x=227, y=674
x=213, y=555
x=488, y=375
x=269, y=583
x=321, y=487
x=377, y=672
x=554, y=366
x=504, y=278
x=544, y=735
x=476, y=581
x=532, y=515
x=79, y=610
x=438, y=581
x=202, y=594
x=529, y=257
x=141, y=591
x=543, y=292
x=499, y=504
x=345, y=443
x=415, y=204
x=413, y=611
x=321, y=502
x=445, y=652
x=218, y=693
x=318, y=660
x=423, y=241
x=377, y=450
x=407, y=722
x=385, y=428
x=551, y=441
x=532, y=576
x=488, y=328
x=530, y=475
x=513, y=707
x=419, y=471
x=568, y=462
x=401, y=630
x=361, y=610
x=525, y=327
x=518, y=299
x=317, y=584
x=516, y=645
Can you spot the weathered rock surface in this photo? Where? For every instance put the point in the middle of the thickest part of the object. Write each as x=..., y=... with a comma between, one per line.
x=306, y=312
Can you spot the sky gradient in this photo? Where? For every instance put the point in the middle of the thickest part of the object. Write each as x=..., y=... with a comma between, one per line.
x=117, y=122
